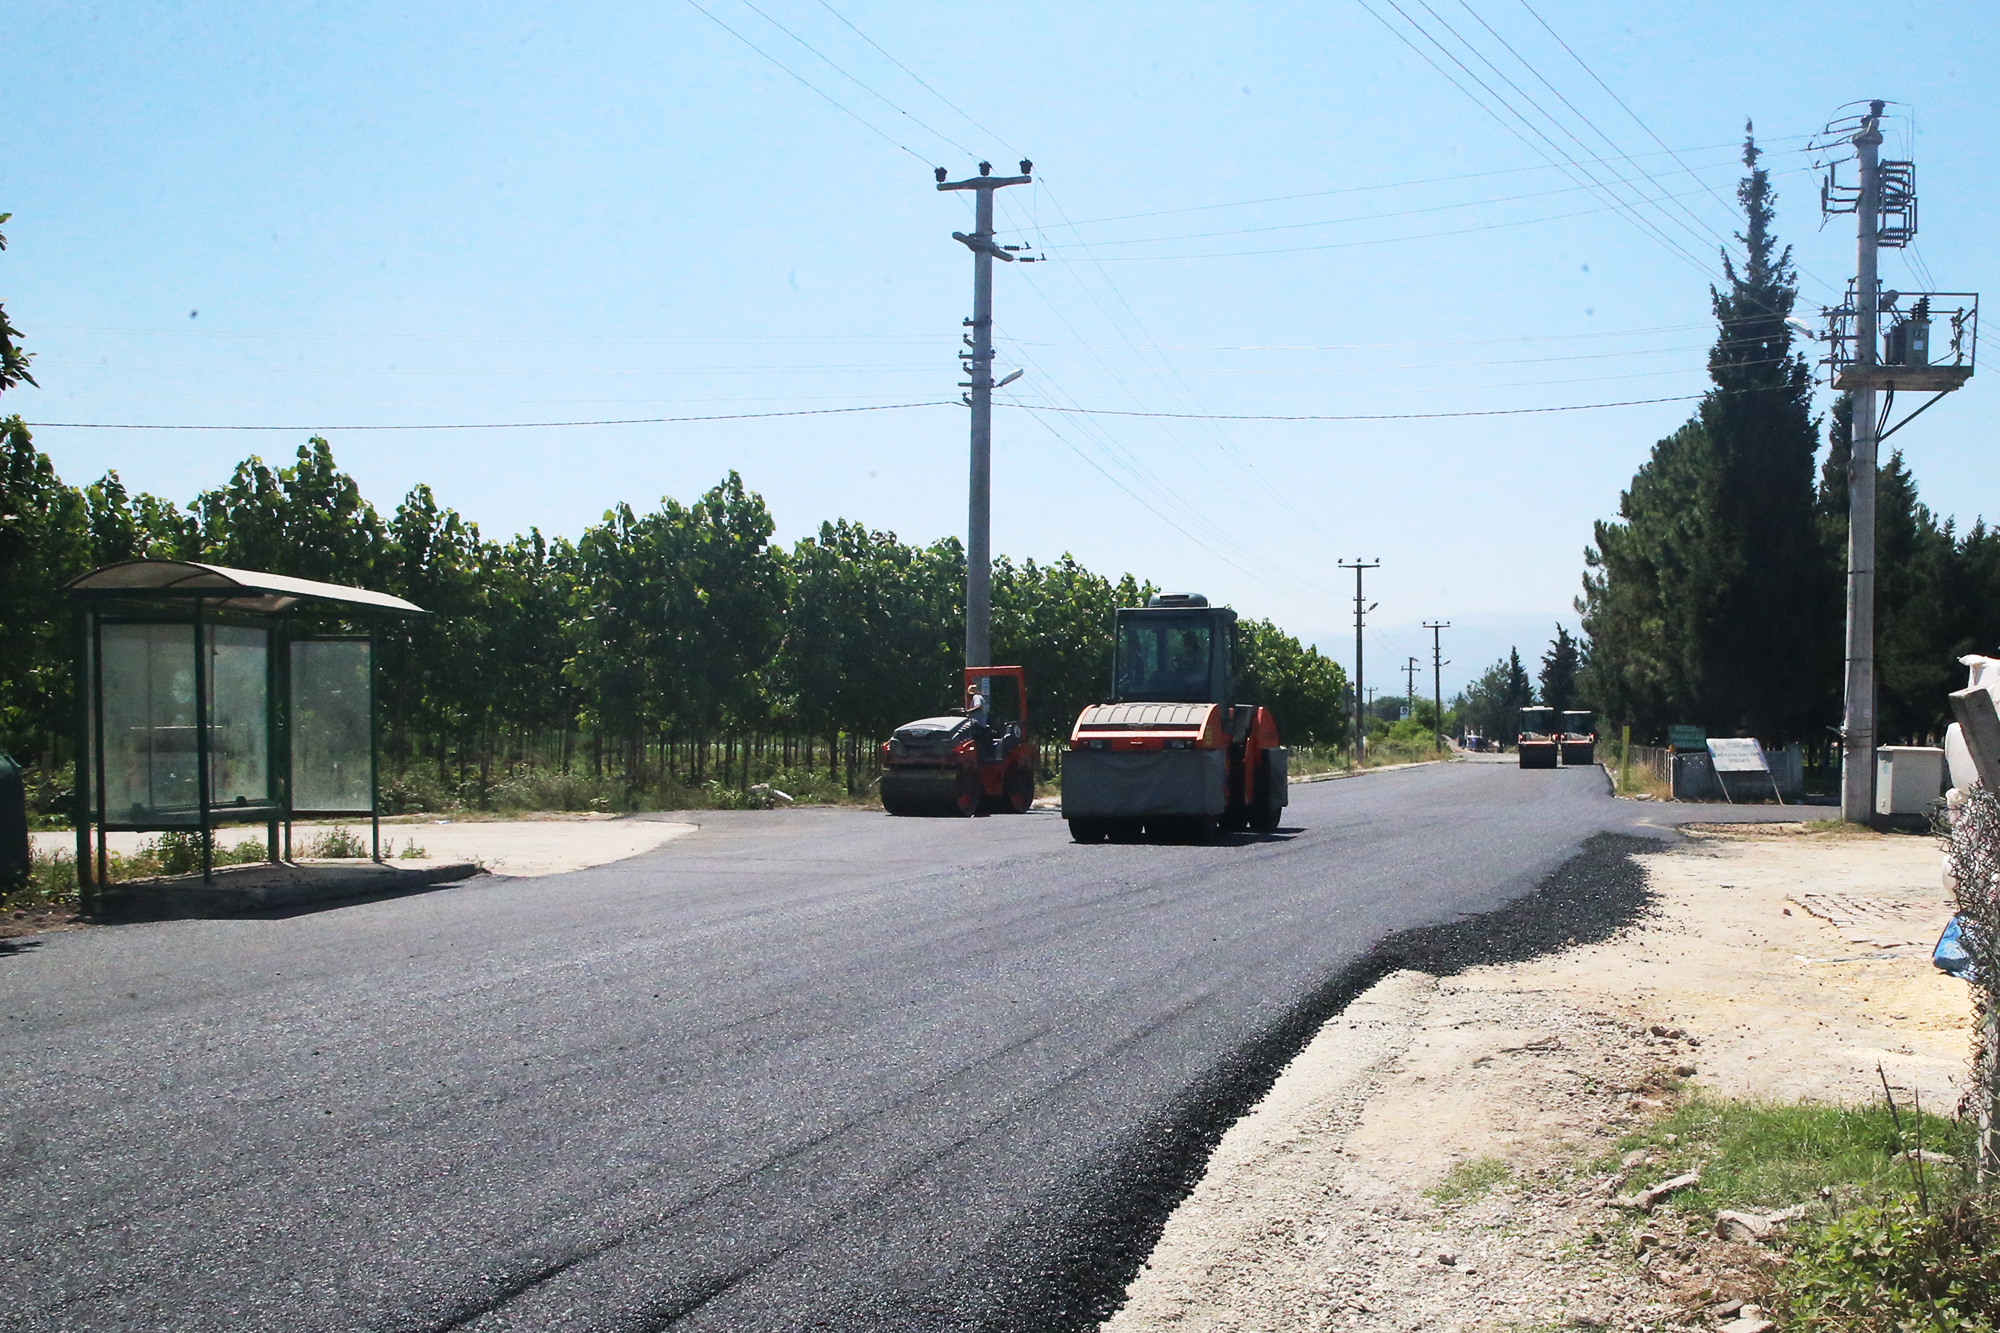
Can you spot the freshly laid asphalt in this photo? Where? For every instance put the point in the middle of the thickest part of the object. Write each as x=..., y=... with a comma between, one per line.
x=812, y=1069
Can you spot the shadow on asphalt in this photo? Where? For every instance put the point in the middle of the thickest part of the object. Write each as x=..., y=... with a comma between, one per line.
x=1122, y=1206
x=179, y=909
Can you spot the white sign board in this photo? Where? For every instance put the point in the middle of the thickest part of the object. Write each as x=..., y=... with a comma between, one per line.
x=1737, y=756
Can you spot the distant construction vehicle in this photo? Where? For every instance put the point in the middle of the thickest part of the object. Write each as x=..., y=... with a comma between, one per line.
x=1171, y=756
x=1537, y=741
x=961, y=763
x=1578, y=738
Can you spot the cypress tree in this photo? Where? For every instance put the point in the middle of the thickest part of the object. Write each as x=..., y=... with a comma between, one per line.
x=1761, y=429
x=1558, y=676
x=1705, y=602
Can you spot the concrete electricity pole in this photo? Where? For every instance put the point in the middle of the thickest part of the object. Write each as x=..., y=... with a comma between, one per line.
x=1857, y=730
x=1410, y=684
x=1360, y=699
x=979, y=379
x=1438, y=664
x=1885, y=207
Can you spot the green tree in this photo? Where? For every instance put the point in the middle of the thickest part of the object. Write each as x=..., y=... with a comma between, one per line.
x=1919, y=629
x=1492, y=704
x=13, y=361
x=1306, y=692
x=308, y=520
x=44, y=543
x=1055, y=621
x=1559, y=671
x=732, y=634
x=873, y=635
x=1706, y=600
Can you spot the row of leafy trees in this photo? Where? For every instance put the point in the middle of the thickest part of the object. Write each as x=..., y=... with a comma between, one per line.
x=656, y=644
x=1717, y=595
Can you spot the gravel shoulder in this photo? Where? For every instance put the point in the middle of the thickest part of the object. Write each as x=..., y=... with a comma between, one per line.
x=1335, y=1203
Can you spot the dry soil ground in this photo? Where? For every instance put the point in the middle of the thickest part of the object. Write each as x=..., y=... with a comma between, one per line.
x=1321, y=1210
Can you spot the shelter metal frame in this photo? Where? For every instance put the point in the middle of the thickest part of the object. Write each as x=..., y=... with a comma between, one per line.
x=206, y=599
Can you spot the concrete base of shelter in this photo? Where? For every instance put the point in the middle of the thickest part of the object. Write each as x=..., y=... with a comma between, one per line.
x=270, y=887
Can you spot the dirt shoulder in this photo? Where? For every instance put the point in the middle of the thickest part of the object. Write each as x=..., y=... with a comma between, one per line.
x=1435, y=1158
x=543, y=844
x=533, y=845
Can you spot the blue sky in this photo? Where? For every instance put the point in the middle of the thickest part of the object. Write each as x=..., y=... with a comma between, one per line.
x=328, y=215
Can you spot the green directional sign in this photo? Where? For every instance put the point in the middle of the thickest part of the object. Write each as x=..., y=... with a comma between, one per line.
x=1683, y=736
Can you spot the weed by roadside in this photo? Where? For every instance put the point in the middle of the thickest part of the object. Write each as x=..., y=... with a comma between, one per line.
x=1897, y=1267
x=1468, y=1180
x=339, y=843
x=51, y=883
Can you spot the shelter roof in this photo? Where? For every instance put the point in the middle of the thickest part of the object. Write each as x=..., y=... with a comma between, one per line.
x=233, y=589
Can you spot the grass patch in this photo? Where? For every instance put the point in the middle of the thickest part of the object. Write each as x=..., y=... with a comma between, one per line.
x=1468, y=1180
x=1771, y=1155
x=1879, y=1248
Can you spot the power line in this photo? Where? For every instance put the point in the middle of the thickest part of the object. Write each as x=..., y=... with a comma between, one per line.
x=502, y=425
x=1592, y=125
x=1621, y=101
x=1223, y=442
x=853, y=80
x=1539, y=133
x=1614, y=207
x=1386, y=416
x=1358, y=217
x=926, y=339
x=1399, y=185
x=1672, y=247
x=838, y=105
x=925, y=86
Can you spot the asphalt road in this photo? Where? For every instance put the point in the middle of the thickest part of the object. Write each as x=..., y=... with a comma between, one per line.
x=806, y=1070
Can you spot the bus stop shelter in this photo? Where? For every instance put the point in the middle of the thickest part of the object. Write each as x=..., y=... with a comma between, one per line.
x=205, y=699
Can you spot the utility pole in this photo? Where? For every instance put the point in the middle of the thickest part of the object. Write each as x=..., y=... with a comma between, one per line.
x=978, y=365
x=1438, y=664
x=1885, y=207
x=1857, y=729
x=1410, y=684
x=1360, y=704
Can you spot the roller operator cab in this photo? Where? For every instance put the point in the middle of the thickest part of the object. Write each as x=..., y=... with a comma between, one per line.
x=1170, y=755
x=1537, y=739
x=1579, y=738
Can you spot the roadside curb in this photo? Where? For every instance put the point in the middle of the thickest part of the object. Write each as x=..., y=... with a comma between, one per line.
x=247, y=890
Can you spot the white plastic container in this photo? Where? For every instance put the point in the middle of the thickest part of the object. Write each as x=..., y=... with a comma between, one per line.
x=1958, y=759
x=1908, y=779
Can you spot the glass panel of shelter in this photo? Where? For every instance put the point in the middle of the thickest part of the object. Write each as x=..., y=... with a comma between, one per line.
x=148, y=752
x=332, y=743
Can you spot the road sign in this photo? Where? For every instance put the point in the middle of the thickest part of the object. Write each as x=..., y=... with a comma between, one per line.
x=1738, y=756
x=1684, y=737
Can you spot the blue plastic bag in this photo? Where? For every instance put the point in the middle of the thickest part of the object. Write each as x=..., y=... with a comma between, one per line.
x=1950, y=955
